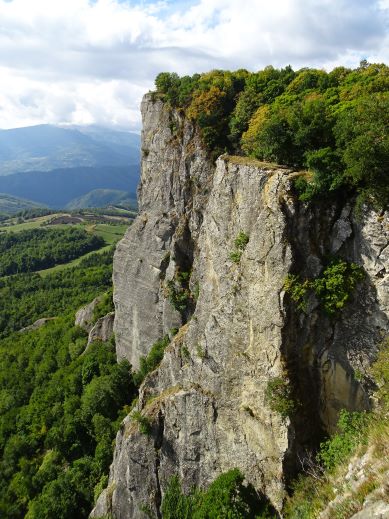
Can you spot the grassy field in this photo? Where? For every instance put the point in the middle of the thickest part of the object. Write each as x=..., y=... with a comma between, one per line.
x=13, y=226
x=110, y=232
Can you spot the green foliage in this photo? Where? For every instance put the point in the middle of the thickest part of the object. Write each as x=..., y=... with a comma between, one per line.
x=333, y=287
x=279, y=396
x=335, y=124
x=143, y=422
x=104, y=306
x=240, y=243
x=57, y=423
x=37, y=249
x=24, y=298
x=178, y=291
x=362, y=135
x=226, y=497
x=336, y=283
x=297, y=290
x=175, y=504
x=151, y=362
x=59, y=410
x=352, y=430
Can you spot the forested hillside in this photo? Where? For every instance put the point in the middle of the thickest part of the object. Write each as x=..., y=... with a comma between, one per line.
x=59, y=408
x=37, y=249
x=332, y=124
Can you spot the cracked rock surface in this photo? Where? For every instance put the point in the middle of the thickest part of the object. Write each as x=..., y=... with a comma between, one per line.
x=207, y=402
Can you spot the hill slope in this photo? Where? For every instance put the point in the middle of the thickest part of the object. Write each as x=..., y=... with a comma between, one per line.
x=101, y=198
x=12, y=205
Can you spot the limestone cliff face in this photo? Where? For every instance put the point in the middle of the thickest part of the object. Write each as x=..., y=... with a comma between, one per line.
x=208, y=402
x=172, y=195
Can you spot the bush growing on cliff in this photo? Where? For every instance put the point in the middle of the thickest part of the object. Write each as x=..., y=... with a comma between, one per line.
x=279, y=396
x=151, y=361
x=240, y=243
x=351, y=432
x=333, y=287
x=226, y=497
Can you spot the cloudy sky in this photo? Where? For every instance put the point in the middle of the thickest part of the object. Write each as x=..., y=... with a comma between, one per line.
x=90, y=61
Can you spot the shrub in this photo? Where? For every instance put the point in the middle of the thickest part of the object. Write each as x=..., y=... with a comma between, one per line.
x=336, y=284
x=226, y=497
x=279, y=396
x=143, y=422
x=352, y=430
x=178, y=292
x=333, y=287
x=149, y=363
x=104, y=306
x=240, y=243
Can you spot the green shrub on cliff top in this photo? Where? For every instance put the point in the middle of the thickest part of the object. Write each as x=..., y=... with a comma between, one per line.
x=334, y=124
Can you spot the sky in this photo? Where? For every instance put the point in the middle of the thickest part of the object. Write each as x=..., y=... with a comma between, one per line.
x=90, y=61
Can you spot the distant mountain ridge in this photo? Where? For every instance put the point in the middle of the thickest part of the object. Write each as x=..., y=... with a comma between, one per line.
x=102, y=198
x=53, y=166
x=59, y=187
x=46, y=147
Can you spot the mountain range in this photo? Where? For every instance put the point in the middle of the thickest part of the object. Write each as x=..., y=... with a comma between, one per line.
x=52, y=165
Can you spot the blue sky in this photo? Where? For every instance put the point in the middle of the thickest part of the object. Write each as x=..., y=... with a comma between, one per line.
x=84, y=61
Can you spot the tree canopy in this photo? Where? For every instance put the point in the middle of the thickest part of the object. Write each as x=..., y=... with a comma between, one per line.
x=333, y=124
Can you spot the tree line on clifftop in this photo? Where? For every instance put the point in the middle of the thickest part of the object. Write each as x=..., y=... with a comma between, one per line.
x=333, y=125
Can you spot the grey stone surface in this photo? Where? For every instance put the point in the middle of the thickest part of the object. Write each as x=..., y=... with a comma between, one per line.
x=103, y=329
x=172, y=193
x=84, y=316
x=207, y=400
x=376, y=510
x=36, y=325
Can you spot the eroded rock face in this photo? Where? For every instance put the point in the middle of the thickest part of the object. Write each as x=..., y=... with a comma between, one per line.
x=172, y=195
x=208, y=402
x=103, y=329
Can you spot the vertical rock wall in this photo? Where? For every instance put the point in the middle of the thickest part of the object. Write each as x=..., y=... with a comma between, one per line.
x=207, y=402
x=172, y=194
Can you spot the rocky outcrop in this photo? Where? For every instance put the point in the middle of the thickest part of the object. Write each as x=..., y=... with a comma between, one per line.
x=84, y=316
x=103, y=329
x=36, y=325
x=208, y=403
x=172, y=194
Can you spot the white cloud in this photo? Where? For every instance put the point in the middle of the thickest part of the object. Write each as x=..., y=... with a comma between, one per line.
x=80, y=61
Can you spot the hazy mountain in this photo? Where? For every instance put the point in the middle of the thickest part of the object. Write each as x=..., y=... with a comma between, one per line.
x=102, y=198
x=46, y=147
x=59, y=187
x=11, y=204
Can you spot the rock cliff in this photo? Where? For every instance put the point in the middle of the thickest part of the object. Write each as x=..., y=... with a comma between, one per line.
x=209, y=254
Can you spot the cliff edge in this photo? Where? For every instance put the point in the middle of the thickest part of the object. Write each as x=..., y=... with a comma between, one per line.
x=209, y=254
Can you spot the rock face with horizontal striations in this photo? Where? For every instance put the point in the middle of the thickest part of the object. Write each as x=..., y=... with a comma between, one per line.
x=181, y=265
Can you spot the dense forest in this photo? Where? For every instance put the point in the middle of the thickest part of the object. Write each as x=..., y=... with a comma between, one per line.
x=59, y=410
x=37, y=249
x=24, y=298
x=333, y=125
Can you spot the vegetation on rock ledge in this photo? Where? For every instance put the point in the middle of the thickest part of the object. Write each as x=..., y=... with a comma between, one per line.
x=334, y=124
